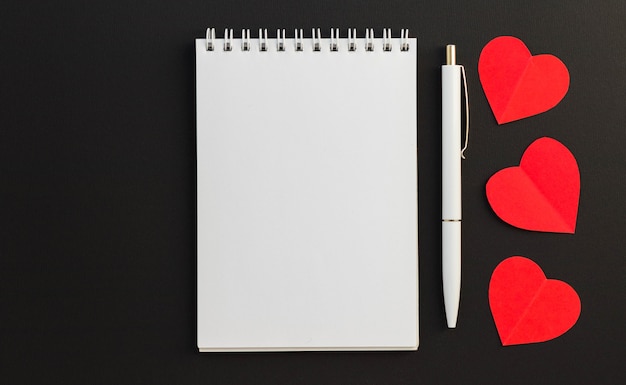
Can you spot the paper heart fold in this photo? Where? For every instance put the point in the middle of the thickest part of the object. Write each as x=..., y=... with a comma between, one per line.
x=542, y=193
x=526, y=306
x=517, y=84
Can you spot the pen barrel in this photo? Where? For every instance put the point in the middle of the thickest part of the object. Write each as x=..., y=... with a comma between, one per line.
x=451, y=189
x=451, y=142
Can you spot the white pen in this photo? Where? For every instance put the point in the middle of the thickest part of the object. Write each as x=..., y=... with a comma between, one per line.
x=451, y=154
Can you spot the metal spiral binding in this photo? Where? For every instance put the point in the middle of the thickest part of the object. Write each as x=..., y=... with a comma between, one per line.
x=280, y=40
x=299, y=40
x=404, y=40
x=228, y=39
x=351, y=39
x=387, y=39
x=387, y=43
x=317, y=40
x=210, y=38
x=334, y=39
x=369, y=39
x=245, y=40
x=262, y=39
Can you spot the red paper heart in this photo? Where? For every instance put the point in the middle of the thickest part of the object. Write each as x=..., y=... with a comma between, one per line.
x=542, y=193
x=526, y=306
x=517, y=84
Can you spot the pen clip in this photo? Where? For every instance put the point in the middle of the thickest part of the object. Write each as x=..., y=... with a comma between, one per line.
x=466, y=113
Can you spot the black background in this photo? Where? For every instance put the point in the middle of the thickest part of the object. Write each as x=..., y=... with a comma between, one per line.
x=97, y=193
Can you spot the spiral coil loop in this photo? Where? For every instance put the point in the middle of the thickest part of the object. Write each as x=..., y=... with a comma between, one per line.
x=369, y=41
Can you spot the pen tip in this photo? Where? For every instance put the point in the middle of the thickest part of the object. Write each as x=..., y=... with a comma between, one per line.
x=451, y=317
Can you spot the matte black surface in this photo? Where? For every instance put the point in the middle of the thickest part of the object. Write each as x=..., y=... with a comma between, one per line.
x=97, y=193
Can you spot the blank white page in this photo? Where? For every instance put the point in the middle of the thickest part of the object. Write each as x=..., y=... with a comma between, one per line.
x=307, y=197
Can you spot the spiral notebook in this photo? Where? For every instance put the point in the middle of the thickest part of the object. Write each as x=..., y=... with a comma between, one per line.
x=307, y=192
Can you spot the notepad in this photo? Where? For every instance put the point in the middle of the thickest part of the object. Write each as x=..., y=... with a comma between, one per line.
x=306, y=193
